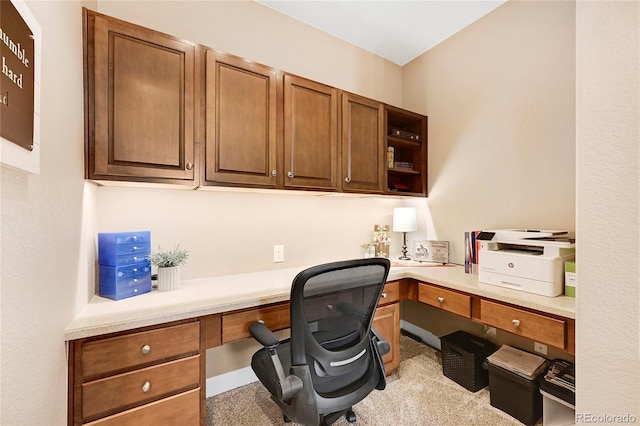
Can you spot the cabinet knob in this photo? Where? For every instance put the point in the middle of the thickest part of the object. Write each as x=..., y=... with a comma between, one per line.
x=189, y=166
x=146, y=387
x=274, y=173
x=290, y=174
x=145, y=349
x=347, y=179
x=440, y=299
x=384, y=295
x=515, y=322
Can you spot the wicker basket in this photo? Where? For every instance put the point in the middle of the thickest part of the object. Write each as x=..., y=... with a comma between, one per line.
x=462, y=358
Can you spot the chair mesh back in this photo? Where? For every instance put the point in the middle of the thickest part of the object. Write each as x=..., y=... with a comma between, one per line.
x=331, y=315
x=339, y=305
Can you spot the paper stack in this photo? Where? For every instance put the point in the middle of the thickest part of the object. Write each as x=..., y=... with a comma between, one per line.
x=523, y=363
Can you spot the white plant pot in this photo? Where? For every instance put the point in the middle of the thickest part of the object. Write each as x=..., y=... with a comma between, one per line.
x=168, y=278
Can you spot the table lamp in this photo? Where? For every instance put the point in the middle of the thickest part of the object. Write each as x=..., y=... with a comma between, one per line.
x=404, y=220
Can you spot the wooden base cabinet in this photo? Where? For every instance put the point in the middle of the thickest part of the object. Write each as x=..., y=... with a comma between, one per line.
x=387, y=322
x=134, y=377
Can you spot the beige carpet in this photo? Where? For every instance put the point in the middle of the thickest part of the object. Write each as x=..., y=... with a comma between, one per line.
x=418, y=394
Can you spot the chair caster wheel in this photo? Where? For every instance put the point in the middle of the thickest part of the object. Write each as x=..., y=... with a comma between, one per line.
x=350, y=416
x=286, y=419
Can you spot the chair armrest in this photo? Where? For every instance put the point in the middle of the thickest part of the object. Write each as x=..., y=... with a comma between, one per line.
x=382, y=345
x=263, y=335
x=287, y=386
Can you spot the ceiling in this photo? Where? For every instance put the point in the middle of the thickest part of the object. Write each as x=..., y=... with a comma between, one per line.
x=397, y=30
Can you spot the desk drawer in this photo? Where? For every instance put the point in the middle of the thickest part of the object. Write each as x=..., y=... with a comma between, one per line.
x=390, y=293
x=447, y=300
x=124, y=390
x=236, y=326
x=182, y=409
x=100, y=357
x=541, y=328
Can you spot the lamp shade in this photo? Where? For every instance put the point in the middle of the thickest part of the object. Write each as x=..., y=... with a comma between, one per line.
x=404, y=219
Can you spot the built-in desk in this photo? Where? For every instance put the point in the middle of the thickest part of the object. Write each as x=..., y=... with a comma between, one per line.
x=145, y=356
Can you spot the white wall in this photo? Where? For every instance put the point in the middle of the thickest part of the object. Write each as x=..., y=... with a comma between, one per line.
x=608, y=203
x=500, y=96
x=253, y=31
x=41, y=233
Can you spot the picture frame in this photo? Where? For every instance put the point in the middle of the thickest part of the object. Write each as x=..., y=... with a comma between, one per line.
x=431, y=251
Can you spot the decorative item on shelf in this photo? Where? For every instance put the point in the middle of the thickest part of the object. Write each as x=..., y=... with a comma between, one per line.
x=404, y=220
x=403, y=165
x=369, y=250
x=404, y=134
x=168, y=263
x=381, y=240
x=390, y=157
x=431, y=251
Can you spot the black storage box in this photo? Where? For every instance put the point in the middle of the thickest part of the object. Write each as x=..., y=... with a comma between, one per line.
x=515, y=395
x=462, y=357
x=558, y=391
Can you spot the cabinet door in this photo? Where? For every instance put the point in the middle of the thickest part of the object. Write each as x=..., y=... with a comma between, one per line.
x=387, y=322
x=310, y=134
x=240, y=121
x=362, y=141
x=140, y=103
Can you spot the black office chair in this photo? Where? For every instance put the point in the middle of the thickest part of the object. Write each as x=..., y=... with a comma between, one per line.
x=333, y=358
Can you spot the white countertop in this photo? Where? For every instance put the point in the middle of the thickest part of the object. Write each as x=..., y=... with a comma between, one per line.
x=226, y=293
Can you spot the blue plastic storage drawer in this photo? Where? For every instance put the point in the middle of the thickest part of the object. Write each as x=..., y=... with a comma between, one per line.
x=123, y=248
x=121, y=282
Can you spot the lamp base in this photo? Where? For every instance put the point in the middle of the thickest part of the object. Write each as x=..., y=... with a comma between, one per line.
x=404, y=248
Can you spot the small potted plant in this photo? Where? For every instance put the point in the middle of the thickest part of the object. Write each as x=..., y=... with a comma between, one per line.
x=168, y=263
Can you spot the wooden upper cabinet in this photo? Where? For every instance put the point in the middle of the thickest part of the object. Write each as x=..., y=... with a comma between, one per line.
x=241, y=111
x=310, y=134
x=362, y=142
x=406, y=135
x=140, y=102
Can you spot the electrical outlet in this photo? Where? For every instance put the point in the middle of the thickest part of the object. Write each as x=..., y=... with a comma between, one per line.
x=540, y=348
x=278, y=254
x=490, y=331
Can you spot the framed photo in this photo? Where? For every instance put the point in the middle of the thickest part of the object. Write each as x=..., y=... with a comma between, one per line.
x=431, y=251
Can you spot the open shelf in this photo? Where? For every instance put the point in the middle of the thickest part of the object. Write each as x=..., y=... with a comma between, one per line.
x=406, y=144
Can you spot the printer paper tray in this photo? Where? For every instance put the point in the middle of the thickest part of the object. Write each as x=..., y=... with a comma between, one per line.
x=544, y=288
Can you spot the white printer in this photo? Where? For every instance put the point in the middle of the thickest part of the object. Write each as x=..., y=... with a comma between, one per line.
x=524, y=259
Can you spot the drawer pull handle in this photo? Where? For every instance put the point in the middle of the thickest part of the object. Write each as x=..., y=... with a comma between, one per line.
x=189, y=166
x=440, y=299
x=274, y=173
x=384, y=295
x=145, y=349
x=290, y=174
x=515, y=322
x=146, y=387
